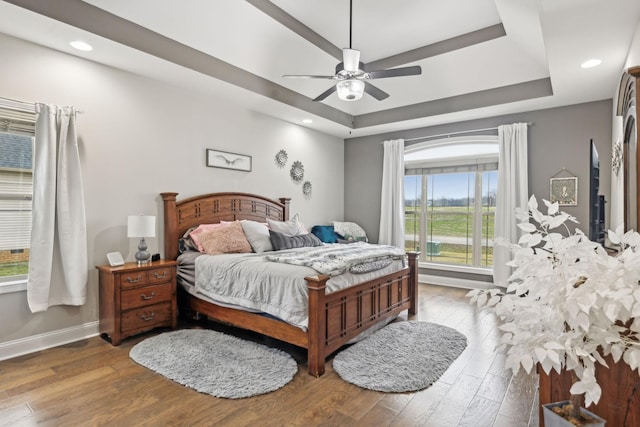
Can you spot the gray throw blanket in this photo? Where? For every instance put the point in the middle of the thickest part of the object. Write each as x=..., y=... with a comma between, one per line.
x=336, y=259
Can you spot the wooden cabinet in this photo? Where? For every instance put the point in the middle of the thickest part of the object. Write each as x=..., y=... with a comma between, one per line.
x=135, y=299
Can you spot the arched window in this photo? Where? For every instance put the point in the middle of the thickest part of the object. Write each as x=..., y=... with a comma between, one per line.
x=450, y=199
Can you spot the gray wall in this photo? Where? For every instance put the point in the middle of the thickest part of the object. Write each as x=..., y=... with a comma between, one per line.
x=557, y=138
x=140, y=137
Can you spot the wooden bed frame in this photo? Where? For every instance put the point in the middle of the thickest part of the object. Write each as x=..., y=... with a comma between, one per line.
x=334, y=318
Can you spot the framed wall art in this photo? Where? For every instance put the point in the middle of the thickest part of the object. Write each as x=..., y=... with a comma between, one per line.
x=564, y=191
x=226, y=160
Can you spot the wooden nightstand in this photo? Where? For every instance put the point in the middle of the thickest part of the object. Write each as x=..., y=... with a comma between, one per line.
x=135, y=299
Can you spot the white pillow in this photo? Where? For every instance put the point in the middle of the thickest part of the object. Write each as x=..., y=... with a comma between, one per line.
x=258, y=236
x=293, y=227
x=349, y=230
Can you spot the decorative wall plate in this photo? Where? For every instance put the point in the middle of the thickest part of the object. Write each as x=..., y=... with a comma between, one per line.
x=306, y=188
x=281, y=158
x=297, y=171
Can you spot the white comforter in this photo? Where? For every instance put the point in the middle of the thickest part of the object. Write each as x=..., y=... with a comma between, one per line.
x=250, y=281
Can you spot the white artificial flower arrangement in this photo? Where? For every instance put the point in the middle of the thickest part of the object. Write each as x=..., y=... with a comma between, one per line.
x=568, y=302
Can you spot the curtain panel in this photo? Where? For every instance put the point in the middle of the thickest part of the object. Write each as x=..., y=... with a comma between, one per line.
x=392, y=196
x=512, y=192
x=58, y=233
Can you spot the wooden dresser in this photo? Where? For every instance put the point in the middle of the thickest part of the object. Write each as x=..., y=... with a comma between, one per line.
x=135, y=299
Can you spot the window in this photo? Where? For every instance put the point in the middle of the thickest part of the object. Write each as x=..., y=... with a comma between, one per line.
x=450, y=199
x=17, y=127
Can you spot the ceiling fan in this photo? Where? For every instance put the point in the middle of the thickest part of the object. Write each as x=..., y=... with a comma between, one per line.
x=352, y=75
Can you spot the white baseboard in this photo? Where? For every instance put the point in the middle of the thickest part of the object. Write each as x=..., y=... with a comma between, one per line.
x=455, y=282
x=22, y=346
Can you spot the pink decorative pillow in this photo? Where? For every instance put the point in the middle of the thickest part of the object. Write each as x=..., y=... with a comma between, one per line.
x=195, y=234
x=229, y=239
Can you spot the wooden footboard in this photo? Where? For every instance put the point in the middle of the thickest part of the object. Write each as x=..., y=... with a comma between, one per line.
x=334, y=318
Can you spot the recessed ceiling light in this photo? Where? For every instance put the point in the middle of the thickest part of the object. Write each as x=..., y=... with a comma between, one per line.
x=307, y=121
x=80, y=45
x=591, y=63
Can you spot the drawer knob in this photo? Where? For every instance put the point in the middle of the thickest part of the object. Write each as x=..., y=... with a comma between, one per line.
x=148, y=316
x=136, y=280
x=147, y=297
x=160, y=275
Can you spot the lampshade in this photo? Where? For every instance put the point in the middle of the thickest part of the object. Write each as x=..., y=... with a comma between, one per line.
x=141, y=226
x=350, y=90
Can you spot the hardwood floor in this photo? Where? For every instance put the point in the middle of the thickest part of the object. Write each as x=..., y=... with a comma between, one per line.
x=92, y=383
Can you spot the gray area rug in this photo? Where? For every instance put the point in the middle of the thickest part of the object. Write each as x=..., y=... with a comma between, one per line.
x=401, y=357
x=215, y=363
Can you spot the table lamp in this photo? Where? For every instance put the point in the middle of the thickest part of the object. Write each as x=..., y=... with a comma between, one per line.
x=141, y=226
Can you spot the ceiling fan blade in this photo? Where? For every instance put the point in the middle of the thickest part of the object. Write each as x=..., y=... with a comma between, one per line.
x=395, y=72
x=351, y=59
x=324, y=94
x=307, y=76
x=378, y=94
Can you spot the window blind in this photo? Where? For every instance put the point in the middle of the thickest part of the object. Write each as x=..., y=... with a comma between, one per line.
x=17, y=117
x=17, y=133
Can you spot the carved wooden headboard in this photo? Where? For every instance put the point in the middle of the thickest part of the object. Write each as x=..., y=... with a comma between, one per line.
x=213, y=208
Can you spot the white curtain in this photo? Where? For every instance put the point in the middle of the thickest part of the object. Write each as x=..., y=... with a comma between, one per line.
x=58, y=233
x=513, y=188
x=392, y=200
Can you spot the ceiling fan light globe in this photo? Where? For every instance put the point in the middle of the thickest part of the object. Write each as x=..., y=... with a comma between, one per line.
x=350, y=90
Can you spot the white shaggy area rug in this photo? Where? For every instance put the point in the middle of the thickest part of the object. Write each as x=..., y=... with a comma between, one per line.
x=401, y=357
x=215, y=363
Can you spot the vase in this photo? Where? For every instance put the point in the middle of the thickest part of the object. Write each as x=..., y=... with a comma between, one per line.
x=551, y=419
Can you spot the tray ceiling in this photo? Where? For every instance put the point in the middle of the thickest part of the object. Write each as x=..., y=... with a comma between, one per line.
x=479, y=58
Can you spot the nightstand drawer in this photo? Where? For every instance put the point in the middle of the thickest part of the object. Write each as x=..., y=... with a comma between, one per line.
x=148, y=295
x=134, y=278
x=161, y=275
x=148, y=317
